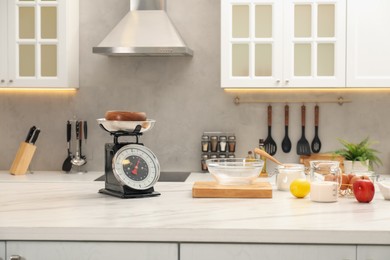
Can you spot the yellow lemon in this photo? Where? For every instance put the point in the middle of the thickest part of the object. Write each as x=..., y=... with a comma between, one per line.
x=300, y=188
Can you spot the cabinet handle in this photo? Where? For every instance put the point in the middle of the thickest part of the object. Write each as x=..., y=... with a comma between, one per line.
x=11, y=81
x=15, y=257
x=278, y=81
x=287, y=81
x=2, y=81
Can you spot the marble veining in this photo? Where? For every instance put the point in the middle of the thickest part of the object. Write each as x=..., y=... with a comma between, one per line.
x=74, y=210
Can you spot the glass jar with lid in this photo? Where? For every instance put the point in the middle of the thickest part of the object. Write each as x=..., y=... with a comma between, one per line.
x=287, y=173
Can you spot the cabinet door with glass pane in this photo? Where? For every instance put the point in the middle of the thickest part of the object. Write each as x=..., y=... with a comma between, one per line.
x=3, y=43
x=41, y=43
x=251, y=43
x=314, y=50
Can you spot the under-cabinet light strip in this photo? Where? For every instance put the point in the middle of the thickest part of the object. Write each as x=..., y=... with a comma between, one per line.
x=306, y=90
x=39, y=90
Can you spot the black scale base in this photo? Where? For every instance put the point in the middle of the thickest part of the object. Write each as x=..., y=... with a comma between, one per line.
x=128, y=195
x=112, y=186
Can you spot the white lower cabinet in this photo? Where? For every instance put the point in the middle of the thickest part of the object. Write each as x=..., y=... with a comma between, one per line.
x=373, y=252
x=2, y=250
x=266, y=252
x=30, y=250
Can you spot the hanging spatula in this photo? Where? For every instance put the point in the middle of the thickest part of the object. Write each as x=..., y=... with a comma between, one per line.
x=316, y=143
x=269, y=143
x=286, y=143
x=303, y=146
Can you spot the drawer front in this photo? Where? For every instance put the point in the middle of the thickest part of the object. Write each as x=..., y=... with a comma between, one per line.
x=31, y=250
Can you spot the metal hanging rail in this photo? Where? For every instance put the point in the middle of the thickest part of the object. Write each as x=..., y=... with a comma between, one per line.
x=339, y=101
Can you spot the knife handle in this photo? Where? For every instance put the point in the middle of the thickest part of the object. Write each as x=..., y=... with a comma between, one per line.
x=286, y=115
x=85, y=130
x=303, y=114
x=316, y=115
x=35, y=136
x=68, y=131
x=30, y=133
x=269, y=115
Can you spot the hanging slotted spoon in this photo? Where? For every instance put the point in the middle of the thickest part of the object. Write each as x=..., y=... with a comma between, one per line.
x=316, y=143
x=303, y=146
x=286, y=143
x=269, y=143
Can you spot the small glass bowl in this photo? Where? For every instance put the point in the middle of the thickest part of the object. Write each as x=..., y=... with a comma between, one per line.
x=235, y=171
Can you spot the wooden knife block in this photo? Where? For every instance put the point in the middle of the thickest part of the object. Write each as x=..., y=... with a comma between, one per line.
x=23, y=158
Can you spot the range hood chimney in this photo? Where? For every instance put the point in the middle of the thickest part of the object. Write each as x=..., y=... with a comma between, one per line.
x=144, y=31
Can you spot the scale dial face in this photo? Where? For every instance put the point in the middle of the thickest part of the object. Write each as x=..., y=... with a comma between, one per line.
x=136, y=166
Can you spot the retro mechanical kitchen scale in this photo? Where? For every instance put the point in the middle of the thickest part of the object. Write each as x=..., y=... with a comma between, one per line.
x=131, y=169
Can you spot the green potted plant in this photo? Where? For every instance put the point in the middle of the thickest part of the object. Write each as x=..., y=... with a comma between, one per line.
x=358, y=156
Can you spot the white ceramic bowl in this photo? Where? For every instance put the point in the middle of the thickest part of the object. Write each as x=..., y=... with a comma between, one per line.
x=235, y=171
x=127, y=126
x=384, y=187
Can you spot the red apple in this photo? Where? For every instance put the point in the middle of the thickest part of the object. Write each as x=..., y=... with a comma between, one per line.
x=363, y=190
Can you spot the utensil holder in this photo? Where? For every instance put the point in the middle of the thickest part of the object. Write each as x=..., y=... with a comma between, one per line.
x=23, y=158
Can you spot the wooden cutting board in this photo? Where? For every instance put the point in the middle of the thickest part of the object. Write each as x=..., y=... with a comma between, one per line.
x=214, y=190
x=305, y=159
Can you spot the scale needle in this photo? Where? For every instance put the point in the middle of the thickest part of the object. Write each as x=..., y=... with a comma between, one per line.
x=135, y=170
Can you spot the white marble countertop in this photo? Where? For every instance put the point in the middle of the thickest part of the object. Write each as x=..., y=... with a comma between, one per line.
x=50, y=176
x=69, y=207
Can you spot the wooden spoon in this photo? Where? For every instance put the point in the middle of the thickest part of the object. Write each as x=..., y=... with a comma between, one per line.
x=268, y=156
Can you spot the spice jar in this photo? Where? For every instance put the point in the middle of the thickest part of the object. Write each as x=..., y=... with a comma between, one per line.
x=250, y=157
x=203, y=162
x=214, y=143
x=205, y=143
x=222, y=144
x=232, y=143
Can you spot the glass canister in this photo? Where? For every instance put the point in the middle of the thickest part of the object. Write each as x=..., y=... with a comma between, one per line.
x=325, y=177
x=287, y=173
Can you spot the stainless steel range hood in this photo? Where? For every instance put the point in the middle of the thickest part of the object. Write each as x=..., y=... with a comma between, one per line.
x=145, y=31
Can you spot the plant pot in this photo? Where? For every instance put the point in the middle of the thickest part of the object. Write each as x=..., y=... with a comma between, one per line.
x=355, y=166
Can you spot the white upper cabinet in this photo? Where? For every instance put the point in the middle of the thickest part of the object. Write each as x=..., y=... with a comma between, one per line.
x=251, y=43
x=3, y=43
x=368, y=51
x=314, y=43
x=42, y=43
x=283, y=43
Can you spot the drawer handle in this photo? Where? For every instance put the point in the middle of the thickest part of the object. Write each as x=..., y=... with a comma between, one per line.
x=15, y=257
x=2, y=81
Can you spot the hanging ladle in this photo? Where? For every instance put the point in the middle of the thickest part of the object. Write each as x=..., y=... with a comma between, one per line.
x=268, y=156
